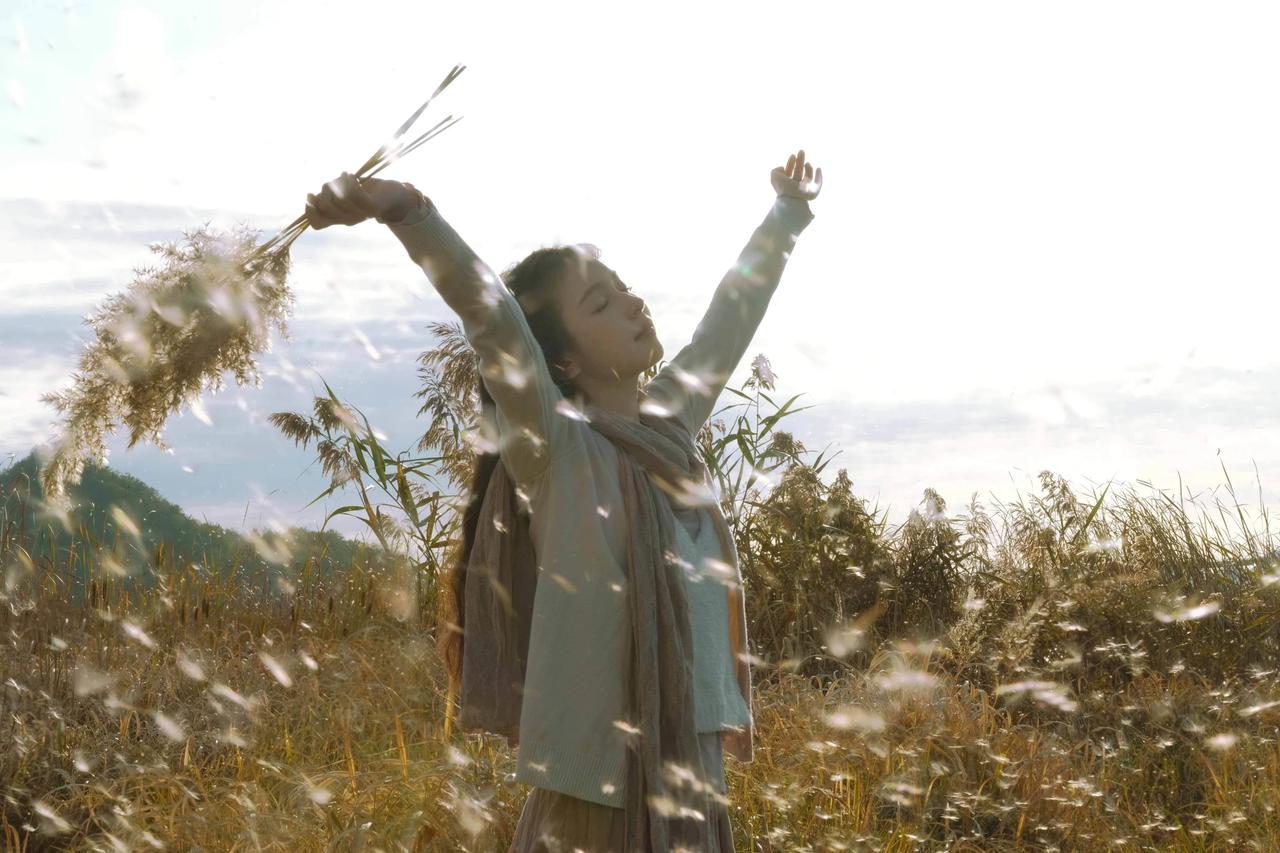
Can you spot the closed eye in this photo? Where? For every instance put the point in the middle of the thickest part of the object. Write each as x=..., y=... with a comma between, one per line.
x=605, y=303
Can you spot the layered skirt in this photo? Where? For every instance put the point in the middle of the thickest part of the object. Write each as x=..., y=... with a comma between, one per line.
x=552, y=822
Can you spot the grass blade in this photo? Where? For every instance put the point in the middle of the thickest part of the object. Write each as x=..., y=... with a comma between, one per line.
x=449, y=78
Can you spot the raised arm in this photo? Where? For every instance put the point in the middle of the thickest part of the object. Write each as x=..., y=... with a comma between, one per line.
x=691, y=382
x=530, y=430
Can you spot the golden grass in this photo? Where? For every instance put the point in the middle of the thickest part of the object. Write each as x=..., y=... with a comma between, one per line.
x=200, y=716
x=1064, y=675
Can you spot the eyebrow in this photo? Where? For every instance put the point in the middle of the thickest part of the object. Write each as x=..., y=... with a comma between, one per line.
x=587, y=292
x=592, y=287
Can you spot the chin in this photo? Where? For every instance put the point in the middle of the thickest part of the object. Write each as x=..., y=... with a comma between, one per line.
x=655, y=355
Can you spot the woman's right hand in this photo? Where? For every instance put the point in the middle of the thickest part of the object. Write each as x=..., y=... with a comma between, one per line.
x=347, y=200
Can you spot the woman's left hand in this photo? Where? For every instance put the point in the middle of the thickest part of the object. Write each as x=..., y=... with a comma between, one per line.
x=797, y=178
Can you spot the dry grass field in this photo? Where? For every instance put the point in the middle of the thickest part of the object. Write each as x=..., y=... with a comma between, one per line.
x=1061, y=674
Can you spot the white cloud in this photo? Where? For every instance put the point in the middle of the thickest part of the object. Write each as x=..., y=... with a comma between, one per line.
x=25, y=420
x=1073, y=246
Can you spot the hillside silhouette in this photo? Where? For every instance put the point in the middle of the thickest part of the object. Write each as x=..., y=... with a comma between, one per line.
x=131, y=528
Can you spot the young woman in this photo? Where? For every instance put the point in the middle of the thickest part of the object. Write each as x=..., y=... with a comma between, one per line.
x=594, y=615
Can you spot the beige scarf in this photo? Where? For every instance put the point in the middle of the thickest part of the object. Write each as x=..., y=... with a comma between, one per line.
x=656, y=456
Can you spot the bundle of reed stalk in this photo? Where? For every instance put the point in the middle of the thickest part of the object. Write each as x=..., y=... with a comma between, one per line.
x=207, y=309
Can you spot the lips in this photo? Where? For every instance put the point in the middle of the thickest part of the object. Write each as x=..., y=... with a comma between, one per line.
x=648, y=329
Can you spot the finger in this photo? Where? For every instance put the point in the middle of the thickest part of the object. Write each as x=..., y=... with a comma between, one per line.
x=791, y=161
x=808, y=171
x=329, y=206
x=800, y=164
x=367, y=205
x=332, y=204
x=818, y=179
x=315, y=218
x=343, y=209
x=354, y=195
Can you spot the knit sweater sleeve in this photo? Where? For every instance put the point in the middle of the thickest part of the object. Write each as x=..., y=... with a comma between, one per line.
x=691, y=382
x=531, y=431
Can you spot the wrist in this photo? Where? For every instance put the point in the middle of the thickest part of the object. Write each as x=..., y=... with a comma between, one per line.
x=402, y=204
x=793, y=212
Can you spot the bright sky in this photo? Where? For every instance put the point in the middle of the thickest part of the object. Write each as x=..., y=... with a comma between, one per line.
x=1046, y=237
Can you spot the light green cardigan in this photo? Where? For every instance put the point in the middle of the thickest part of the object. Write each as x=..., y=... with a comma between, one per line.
x=575, y=690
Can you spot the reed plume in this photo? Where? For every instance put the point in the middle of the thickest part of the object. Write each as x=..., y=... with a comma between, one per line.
x=205, y=310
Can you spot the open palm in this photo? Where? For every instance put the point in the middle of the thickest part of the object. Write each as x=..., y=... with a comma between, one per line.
x=797, y=179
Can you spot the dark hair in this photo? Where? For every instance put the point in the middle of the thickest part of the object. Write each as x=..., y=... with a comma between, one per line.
x=535, y=282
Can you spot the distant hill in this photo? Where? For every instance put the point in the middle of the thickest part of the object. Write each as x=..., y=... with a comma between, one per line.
x=109, y=506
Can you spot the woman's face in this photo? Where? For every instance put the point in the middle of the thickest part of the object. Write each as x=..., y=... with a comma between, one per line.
x=610, y=325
